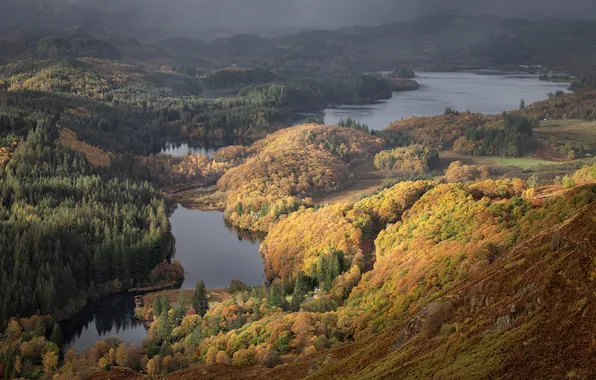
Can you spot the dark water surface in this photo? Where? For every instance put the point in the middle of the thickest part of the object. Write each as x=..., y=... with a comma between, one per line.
x=179, y=148
x=110, y=316
x=213, y=252
x=490, y=94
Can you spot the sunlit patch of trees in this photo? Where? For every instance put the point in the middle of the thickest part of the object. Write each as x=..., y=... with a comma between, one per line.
x=509, y=134
x=458, y=172
x=509, y=137
x=439, y=131
x=413, y=158
x=298, y=243
x=166, y=170
x=578, y=105
x=288, y=168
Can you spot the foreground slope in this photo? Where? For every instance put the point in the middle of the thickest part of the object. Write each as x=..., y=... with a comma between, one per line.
x=528, y=314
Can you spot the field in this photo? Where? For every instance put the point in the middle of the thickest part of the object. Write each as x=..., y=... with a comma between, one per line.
x=368, y=180
x=352, y=193
x=575, y=131
x=447, y=157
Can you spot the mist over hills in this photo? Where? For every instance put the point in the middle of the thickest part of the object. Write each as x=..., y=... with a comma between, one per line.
x=153, y=20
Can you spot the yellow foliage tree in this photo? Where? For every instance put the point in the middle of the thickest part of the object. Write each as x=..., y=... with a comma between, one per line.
x=50, y=362
x=151, y=368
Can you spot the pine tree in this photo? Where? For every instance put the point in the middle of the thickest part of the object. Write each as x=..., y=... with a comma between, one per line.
x=200, y=301
x=164, y=327
x=57, y=336
x=300, y=290
x=180, y=307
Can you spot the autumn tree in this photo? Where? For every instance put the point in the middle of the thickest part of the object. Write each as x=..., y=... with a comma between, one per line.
x=151, y=368
x=122, y=355
x=50, y=362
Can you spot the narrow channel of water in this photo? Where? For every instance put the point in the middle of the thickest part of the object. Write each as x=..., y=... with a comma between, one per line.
x=179, y=148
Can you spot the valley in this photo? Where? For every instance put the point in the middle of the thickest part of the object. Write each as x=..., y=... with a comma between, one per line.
x=319, y=204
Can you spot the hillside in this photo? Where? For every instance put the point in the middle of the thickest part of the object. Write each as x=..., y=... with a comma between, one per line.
x=533, y=304
x=319, y=158
x=520, y=284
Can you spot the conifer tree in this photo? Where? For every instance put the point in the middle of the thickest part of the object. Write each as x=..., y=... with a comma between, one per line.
x=200, y=300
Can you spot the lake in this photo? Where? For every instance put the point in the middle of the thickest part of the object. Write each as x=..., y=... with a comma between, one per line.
x=489, y=94
x=214, y=252
x=179, y=148
x=100, y=319
x=208, y=249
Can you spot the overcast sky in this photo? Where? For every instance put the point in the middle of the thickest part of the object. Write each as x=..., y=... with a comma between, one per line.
x=336, y=13
x=262, y=14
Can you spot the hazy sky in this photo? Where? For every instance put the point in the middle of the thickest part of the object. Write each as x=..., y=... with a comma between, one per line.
x=262, y=14
x=336, y=13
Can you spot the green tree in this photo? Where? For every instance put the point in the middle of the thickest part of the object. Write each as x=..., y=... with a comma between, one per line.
x=522, y=104
x=200, y=301
x=57, y=336
x=180, y=307
x=164, y=327
x=301, y=288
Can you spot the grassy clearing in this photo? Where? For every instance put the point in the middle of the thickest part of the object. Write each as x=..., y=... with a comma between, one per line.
x=521, y=162
x=575, y=131
x=447, y=157
x=351, y=194
x=215, y=296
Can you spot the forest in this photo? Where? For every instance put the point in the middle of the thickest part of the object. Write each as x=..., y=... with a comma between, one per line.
x=93, y=97
x=69, y=232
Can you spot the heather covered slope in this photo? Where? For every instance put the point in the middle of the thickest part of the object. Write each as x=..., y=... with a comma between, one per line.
x=530, y=314
x=527, y=314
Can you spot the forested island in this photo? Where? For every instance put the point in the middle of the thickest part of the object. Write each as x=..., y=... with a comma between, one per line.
x=463, y=235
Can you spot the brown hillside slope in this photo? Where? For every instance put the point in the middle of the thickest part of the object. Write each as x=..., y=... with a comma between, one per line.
x=529, y=314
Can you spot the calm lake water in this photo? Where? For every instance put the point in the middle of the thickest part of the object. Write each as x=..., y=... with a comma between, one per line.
x=489, y=94
x=215, y=253
x=208, y=249
x=111, y=316
x=179, y=148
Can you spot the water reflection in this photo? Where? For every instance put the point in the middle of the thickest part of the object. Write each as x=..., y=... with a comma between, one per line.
x=207, y=147
x=213, y=251
x=110, y=316
x=489, y=94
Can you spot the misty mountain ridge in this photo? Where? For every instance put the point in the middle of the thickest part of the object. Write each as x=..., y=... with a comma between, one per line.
x=153, y=20
x=456, y=41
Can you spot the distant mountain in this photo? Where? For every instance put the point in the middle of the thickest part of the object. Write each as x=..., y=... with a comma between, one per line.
x=432, y=43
